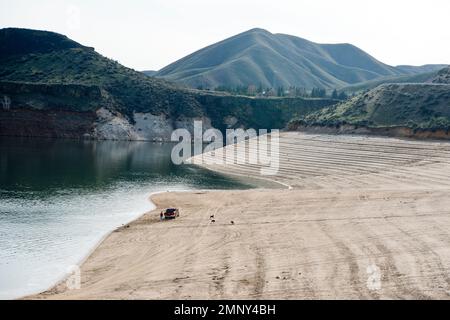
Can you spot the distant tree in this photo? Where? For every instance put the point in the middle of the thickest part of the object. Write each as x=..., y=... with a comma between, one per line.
x=334, y=95
x=280, y=92
x=251, y=90
x=6, y=102
x=318, y=93
x=301, y=92
x=343, y=95
x=271, y=92
x=322, y=93
x=291, y=91
x=260, y=89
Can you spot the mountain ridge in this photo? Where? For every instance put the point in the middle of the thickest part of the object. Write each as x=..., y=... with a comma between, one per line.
x=258, y=57
x=64, y=89
x=18, y=41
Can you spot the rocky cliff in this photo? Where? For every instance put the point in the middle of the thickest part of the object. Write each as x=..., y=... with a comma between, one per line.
x=89, y=112
x=52, y=86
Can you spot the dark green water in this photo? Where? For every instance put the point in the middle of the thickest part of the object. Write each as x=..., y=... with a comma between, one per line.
x=58, y=198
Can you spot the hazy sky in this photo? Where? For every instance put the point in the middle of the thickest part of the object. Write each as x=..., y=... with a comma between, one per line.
x=151, y=34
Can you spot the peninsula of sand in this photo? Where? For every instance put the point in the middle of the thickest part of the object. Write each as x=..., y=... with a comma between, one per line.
x=365, y=218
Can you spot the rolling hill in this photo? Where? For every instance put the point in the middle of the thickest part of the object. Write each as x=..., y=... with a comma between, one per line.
x=258, y=57
x=427, y=68
x=55, y=87
x=48, y=58
x=421, y=74
x=14, y=42
x=398, y=109
x=149, y=73
x=443, y=76
x=372, y=84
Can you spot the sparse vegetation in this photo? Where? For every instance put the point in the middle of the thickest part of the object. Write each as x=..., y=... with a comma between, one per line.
x=416, y=106
x=77, y=78
x=258, y=57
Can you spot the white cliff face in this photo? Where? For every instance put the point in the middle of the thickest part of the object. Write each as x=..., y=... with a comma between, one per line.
x=111, y=126
x=230, y=121
x=153, y=128
x=147, y=127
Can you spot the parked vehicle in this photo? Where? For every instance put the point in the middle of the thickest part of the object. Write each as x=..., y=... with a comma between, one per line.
x=170, y=213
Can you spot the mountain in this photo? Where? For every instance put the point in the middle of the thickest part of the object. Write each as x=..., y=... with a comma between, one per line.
x=49, y=58
x=371, y=84
x=15, y=42
x=52, y=86
x=421, y=74
x=149, y=73
x=420, y=69
x=258, y=57
x=443, y=76
x=399, y=109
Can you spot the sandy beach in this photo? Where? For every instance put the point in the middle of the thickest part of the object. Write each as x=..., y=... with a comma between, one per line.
x=365, y=218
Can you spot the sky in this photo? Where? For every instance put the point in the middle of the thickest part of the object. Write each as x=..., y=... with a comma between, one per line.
x=150, y=34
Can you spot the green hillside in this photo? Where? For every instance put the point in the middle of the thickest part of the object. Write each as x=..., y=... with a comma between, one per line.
x=258, y=57
x=427, y=68
x=443, y=76
x=150, y=73
x=15, y=41
x=63, y=76
x=75, y=64
x=416, y=106
x=372, y=84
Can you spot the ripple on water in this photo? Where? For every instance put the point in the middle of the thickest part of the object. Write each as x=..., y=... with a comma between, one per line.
x=58, y=199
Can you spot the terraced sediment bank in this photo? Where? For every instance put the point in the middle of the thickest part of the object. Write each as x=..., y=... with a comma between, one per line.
x=312, y=161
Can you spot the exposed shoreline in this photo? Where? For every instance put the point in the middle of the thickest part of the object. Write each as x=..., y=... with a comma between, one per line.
x=61, y=281
x=382, y=132
x=357, y=202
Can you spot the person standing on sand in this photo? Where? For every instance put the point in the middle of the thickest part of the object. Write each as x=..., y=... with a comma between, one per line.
x=161, y=216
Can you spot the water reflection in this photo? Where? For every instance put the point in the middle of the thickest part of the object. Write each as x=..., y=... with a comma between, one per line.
x=58, y=198
x=41, y=164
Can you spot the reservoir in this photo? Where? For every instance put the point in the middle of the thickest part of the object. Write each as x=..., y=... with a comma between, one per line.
x=60, y=198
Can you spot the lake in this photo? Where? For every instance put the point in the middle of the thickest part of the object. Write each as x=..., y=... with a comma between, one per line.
x=59, y=198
